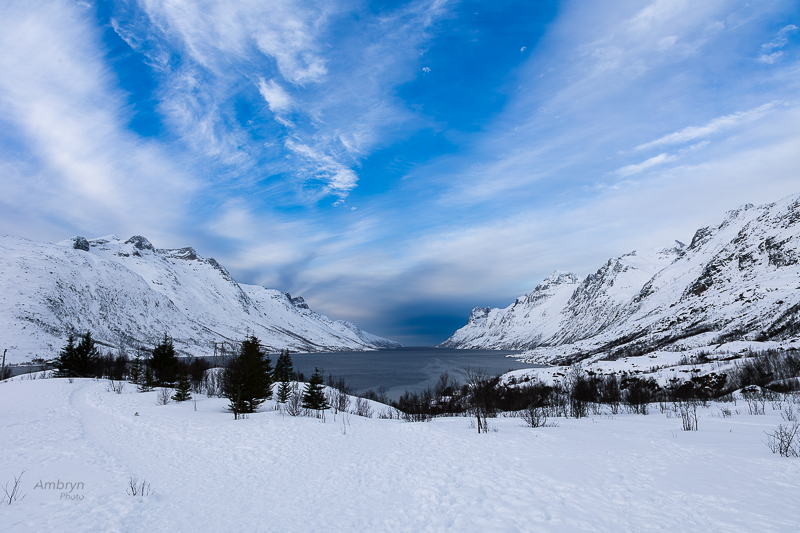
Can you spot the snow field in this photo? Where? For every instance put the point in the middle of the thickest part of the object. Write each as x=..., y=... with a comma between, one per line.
x=279, y=473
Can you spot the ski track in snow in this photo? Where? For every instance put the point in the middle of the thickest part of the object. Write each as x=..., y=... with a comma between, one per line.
x=275, y=473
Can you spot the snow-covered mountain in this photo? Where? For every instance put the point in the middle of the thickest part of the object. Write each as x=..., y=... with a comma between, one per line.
x=529, y=321
x=129, y=293
x=737, y=280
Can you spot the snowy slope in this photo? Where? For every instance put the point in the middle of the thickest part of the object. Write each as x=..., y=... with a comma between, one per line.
x=529, y=321
x=279, y=473
x=129, y=293
x=599, y=301
x=737, y=280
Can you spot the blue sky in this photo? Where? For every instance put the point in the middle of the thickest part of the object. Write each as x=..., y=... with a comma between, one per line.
x=395, y=163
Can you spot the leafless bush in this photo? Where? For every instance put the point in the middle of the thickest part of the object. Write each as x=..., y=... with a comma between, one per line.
x=389, y=413
x=362, y=408
x=115, y=386
x=535, y=416
x=164, y=396
x=688, y=411
x=135, y=488
x=14, y=494
x=784, y=440
x=789, y=414
x=755, y=398
x=481, y=397
x=294, y=405
x=338, y=399
x=726, y=413
x=71, y=380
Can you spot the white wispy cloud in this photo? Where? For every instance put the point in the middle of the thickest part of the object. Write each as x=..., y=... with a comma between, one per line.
x=778, y=42
x=59, y=100
x=307, y=75
x=715, y=126
x=769, y=59
x=630, y=170
x=277, y=99
x=339, y=179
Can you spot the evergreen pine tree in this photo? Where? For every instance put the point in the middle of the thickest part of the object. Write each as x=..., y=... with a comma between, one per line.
x=148, y=382
x=136, y=370
x=283, y=367
x=247, y=378
x=284, y=392
x=182, y=389
x=87, y=357
x=283, y=372
x=314, y=394
x=65, y=362
x=164, y=361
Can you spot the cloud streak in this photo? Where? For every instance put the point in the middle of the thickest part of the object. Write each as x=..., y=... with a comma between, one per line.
x=713, y=127
x=59, y=99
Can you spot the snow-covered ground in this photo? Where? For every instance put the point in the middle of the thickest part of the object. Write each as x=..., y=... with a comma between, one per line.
x=663, y=366
x=270, y=472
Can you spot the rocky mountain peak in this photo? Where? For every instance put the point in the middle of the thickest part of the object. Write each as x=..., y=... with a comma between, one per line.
x=140, y=243
x=80, y=243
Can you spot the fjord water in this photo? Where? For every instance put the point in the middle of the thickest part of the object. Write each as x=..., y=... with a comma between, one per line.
x=409, y=368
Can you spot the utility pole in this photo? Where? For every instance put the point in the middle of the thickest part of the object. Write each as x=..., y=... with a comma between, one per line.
x=3, y=371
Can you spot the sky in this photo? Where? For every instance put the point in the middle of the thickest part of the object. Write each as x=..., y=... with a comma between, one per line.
x=395, y=163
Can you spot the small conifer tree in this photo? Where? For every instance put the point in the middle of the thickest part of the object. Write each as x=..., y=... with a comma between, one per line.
x=65, y=362
x=284, y=392
x=314, y=394
x=283, y=372
x=247, y=379
x=87, y=357
x=164, y=361
x=182, y=389
x=136, y=373
x=148, y=382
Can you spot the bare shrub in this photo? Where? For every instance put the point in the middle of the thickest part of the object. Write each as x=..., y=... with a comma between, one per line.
x=115, y=386
x=755, y=398
x=380, y=396
x=640, y=392
x=338, y=394
x=14, y=495
x=688, y=411
x=784, y=440
x=136, y=488
x=389, y=413
x=581, y=391
x=294, y=405
x=164, y=396
x=362, y=408
x=726, y=413
x=535, y=416
x=481, y=397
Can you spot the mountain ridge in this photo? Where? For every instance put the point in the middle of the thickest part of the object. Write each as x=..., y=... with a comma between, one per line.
x=128, y=293
x=737, y=280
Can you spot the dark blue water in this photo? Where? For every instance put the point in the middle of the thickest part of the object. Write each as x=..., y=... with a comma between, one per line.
x=398, y=369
